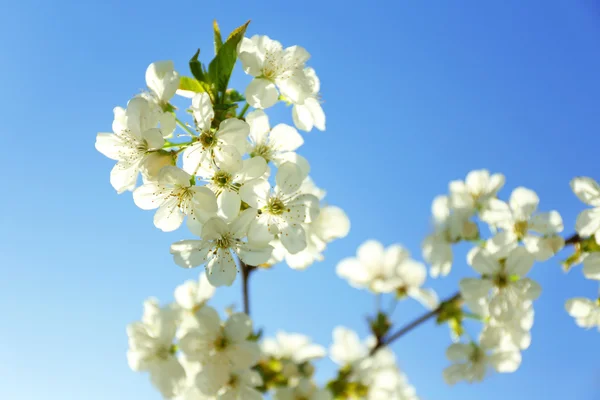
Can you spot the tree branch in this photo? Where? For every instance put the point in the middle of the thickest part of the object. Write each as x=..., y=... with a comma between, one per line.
x=413, y=324
x=246, y=271
x=571, y=240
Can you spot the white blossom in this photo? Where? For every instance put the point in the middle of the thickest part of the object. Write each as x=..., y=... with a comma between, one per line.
x=588, y=221
x=283, y=210
x=585, y=311
x=176, y=196
x=310, y=113
x=277, y=144
x=226, y=181
x=518, y=221
x=504, y=279
x=474, y=193
x=162, y=80
x=241, y=386
x=221, y=349
x=135, y=138
x=273, y=68
x=292, y=346
x=471, y=362
x=193, y=295
x=450, y=226
x=591, y=266
x=151, y=348
x=219, y=240
x=386, y=270
x=225, y=145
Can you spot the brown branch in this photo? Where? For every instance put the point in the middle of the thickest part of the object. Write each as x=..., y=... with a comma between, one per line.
x=246, y=271
x=412, y=325
x=571, y=240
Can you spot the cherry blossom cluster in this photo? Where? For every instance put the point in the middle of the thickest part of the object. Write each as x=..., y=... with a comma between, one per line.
x=218, y=180
x=244, y=194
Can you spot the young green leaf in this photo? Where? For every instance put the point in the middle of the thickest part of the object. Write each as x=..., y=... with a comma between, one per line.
x=221, y=67
x=218, y=39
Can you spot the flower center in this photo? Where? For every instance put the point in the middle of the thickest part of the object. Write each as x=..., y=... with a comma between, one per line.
x=477, y=355
x=275, y=206
x=224, y=242
x=208, y=139
x=221, y=343
x=222, y=179
x=262, y=150
x=521, y=229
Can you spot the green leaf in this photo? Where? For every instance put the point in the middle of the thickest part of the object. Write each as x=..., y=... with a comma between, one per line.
x=221, y=67
x=197, y=68
x=191, y=84
x=218, y=39
x=233, y=96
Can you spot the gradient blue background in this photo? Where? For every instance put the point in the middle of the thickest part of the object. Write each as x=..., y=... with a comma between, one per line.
x=417, y=94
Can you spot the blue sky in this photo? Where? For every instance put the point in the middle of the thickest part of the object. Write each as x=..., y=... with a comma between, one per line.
x=416, y=94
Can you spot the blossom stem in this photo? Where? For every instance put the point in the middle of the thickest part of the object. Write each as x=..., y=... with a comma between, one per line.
x=168, y=144
x=184, y=127
x=243, y=112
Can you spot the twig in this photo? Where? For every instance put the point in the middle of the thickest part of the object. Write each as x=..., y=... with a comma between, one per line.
x=246, y=271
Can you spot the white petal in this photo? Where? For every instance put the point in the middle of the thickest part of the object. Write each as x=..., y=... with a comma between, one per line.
x=580, y=307
x=203, y=111
x=261, y=93
x=293, y=238
x=473, y=288
x=458, y=352
x=523, y=203
x=427, y=297
x=147, y=197
x=506, y=361
x=124, y=176
x=252, y=168
x=162, y=79
x=244, y=354
x=258, y=231
x=229, y=203
x=255, y=254
x=497, y=213
x=259, y=126
x=519, y=262
x=289, y=177
x=189, y=253
x=228, y=158
x=168, y=217
x=255, y=193
x=591, y=266
x=485, y=263
x=546, y=223
x=240, y=225
x=588, y=222
x=332, y=223
x=285, y=138
x=587, y=190
x=238, y=327
x=221, y=270
x=318, y=116
x=214, y=229
x=302, y=117
x=412, y=273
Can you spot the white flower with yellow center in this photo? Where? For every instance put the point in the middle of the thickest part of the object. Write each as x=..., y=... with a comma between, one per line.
x=241, y=385
x=175, y=196
x=585, y=311
x=135, y=138
x=503, y=278
x=310, y=113
x=273, y=67
x=224, y=145
x=471, y=362
x=276, y=145
x=283, y=210
x=151, y=348
x=220, y=241
x=475, y=191
x=220, y=348
x=450, y=226
x=518, y=222
x=226, y=181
